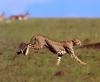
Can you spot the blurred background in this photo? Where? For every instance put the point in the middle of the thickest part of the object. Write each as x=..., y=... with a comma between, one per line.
x=51, y=8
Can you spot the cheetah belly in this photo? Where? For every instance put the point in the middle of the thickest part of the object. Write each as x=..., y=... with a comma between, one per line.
x=61, y=52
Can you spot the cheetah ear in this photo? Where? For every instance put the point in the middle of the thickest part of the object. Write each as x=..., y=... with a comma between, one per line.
x=73, y=40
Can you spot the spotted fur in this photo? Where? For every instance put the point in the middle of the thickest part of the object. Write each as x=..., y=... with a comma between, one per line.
x=60, y=48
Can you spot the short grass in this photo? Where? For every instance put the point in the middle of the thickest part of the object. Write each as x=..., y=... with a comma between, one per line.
x=40, y=67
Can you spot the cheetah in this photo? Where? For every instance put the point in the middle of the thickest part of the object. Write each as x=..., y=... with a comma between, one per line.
x=57, y=47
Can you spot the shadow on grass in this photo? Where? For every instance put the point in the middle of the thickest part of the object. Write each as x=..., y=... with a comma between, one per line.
x=92, y=45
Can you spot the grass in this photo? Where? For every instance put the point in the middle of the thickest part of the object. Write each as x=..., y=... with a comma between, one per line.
x=40, y=67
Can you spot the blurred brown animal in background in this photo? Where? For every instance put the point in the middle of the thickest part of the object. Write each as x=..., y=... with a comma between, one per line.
x=2, y=17
x=19, y=17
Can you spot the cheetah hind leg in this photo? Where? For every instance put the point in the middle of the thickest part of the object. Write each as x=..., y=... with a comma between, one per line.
x=27, y=50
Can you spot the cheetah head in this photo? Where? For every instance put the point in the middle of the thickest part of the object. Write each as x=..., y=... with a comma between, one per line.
x=76, y=42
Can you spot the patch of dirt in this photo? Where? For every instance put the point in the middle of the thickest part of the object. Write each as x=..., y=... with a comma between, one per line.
x=92, y=45
x=59, y=73
x=1, y=53
x=62, y=73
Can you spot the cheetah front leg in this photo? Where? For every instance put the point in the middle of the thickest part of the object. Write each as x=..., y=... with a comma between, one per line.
x=76, y=58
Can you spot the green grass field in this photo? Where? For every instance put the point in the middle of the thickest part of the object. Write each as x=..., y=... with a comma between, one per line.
x=40, y=67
